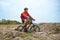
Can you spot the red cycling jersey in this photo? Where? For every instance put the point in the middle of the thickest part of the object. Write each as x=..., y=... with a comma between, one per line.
x=24, y=15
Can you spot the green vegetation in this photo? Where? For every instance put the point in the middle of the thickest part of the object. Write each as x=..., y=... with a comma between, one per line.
x=26, y=35
x=7, y=38
x=3, y=21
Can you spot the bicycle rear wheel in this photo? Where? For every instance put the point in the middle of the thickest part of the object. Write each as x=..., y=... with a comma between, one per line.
x=19, y=28
x=34, y=28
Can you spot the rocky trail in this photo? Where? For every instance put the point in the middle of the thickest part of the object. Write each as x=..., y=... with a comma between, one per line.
x=49, y=31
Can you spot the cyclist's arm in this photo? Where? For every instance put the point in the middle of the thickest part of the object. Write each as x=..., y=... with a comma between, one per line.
x=30, y=16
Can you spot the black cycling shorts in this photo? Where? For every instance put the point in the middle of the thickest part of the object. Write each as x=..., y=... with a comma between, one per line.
x=22, y=21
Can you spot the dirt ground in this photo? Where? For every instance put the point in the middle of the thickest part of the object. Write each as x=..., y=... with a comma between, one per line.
x=49, y=31
x=8, y=27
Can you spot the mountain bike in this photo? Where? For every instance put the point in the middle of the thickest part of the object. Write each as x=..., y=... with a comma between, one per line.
x=32, y=28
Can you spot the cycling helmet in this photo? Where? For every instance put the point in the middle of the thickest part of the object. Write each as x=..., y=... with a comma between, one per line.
x=25, y=8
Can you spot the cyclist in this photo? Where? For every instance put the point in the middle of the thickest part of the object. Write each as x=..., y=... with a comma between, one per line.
x=24, y=16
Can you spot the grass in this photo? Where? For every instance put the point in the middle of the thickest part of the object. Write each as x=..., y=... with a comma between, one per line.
x=7, y=38
x=26, y=35
x=7, y=27
x=58, y=29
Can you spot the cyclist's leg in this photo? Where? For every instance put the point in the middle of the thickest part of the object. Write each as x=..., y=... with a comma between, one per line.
x=25, y=29
x=29, y=24
x=24, y=23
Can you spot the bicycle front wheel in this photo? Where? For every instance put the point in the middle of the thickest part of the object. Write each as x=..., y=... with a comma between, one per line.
x=34, y=28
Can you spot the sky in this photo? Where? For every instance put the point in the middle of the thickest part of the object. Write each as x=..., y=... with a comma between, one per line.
x=40, y=10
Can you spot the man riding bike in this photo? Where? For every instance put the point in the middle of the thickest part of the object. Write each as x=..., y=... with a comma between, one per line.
x=24, y=16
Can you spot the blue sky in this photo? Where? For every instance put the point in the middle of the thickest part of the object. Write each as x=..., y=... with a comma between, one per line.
x=41, y=10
